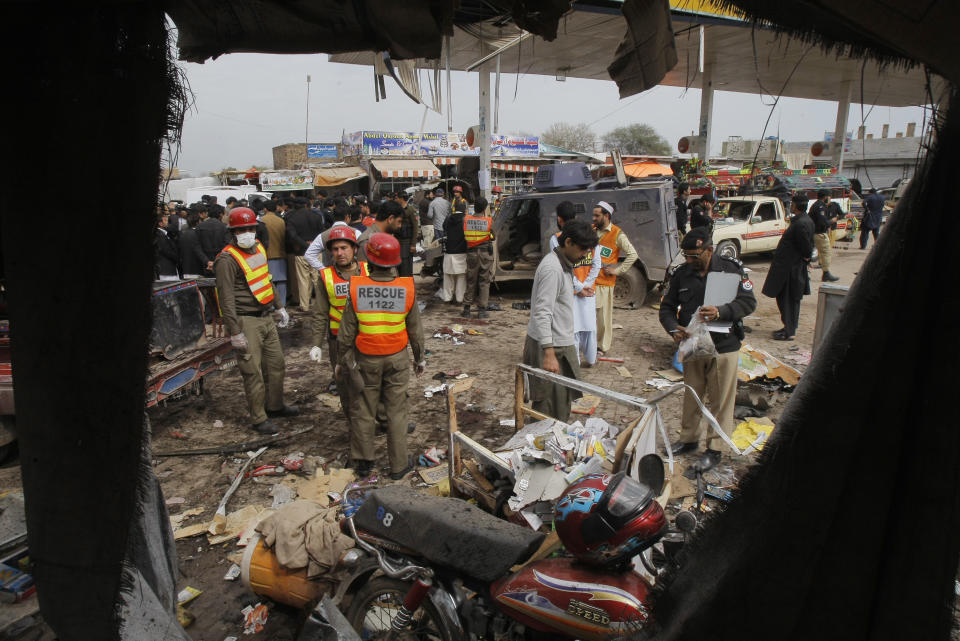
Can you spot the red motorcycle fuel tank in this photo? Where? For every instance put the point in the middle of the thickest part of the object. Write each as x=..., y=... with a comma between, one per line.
x=575, y=600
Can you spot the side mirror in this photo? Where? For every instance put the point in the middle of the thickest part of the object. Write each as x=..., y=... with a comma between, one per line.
x=755, y=220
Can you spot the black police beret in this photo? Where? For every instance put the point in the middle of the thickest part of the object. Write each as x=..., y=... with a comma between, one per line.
x=696, y=238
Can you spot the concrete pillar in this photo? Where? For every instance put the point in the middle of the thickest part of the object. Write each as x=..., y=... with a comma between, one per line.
x=911, y=129
x=885, y=131
x=706, y=105
x=861, y=132
x=484, y=128
x=840, y=130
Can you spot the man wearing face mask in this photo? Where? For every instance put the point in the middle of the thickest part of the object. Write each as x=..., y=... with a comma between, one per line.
x=247, y=298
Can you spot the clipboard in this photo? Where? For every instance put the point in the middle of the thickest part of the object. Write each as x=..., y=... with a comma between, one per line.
x=721, y=288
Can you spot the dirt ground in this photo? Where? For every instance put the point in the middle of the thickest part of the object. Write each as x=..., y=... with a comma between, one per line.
x=490, y=357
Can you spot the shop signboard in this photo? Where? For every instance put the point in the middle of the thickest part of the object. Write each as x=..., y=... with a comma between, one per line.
x=393, y=143
x=286, y=180
x=321, y=151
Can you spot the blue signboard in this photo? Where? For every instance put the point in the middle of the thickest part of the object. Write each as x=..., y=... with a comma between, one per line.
x=321, y=151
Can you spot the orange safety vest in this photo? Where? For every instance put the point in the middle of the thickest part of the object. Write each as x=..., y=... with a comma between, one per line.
x=337, y=289
x=476, y=229
x=382, y=309
x=255, y=269
x=609, y=255
x=582, y=268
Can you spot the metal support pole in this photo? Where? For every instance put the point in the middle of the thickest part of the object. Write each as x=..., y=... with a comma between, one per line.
x=484, y=130
x=706, y=100
x=496, y=101
x=446, y=46
x=840, y=130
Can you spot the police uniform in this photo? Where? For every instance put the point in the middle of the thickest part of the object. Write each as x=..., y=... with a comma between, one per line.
x=477, y=230
x=717, y=377
x=247, y=298
x=380, y=319
x=328, y=309
x=408, y=234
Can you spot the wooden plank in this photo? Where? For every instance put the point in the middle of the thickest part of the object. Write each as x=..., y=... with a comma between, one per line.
x=518, y=400
x=484, y=456
x=537, y=415
x=622, y=438
x=478, y=476
x=551, y=543
x=465, y=488
x=456, y=464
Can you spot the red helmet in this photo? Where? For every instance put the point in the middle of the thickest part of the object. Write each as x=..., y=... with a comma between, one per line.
x=457, y=188
x=242, y=217
x=606, y=520
x=383, y=250
x=341, y=232
x=497, y=189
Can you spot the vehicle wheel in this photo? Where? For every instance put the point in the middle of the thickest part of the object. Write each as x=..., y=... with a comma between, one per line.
x=728, y=249
x=631, y=287
x=374, y=607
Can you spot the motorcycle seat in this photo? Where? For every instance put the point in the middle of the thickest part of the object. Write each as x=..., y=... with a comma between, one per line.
x=446, y=531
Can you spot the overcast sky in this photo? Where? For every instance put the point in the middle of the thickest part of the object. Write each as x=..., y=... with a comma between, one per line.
x=246, y=104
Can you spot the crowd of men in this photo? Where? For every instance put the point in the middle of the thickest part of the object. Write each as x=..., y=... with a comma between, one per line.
x=349, y=263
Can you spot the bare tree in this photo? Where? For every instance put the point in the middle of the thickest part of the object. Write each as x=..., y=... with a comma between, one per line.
x=578, y=137
x=637, y=139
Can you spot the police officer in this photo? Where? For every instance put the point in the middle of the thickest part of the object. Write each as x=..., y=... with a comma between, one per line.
x=716, y=376
x=380, y=319
x=332, y=298
x=247, y=297
x=477, y=232
x=408, y=233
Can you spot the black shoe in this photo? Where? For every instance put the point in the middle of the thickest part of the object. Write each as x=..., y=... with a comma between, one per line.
x=466, y=311
x=362, y=468
x=708, y=461
x=332, y=388
x=783, y=336
x=483, y=314
x=285, y=412
x=264, y=427
x=396, y=476
x=827, y=276
x=381, y=429
x=493, y=307
x=680, y=447
x=411, y=427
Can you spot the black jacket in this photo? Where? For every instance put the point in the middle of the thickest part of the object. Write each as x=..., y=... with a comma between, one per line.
x=214, y=236
x=682, y=215
x=165, y=254
x=700, y=218
x=788, y=269
x=685, y=294
x=192, y=258
x=303, y=225
x=456, y=242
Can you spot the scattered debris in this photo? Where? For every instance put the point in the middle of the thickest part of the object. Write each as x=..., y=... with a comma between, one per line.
x=217, y=424
x=432, y=457
x=659, y=383
x=800, y=357
x=254, y=618
x=184, y=618
x=282, y=494
x=176, y=500
x=586, y=404
x=610, y=359
x=647, y=349
x=239, y=525
x=219, y=522
x=293, y=461
x=237, y=447
x=523, y=305
x=671, y=375
x=752, y=432
x=474, y=332
x=188, y=594
x=317, y=488
x=756, y=363
x=267, y=470
x=329, y=400
x=616, y=326
x=623, y=371
x=233, y=573
x=178, y=434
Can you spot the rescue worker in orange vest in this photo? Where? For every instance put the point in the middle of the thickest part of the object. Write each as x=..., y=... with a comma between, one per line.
x=458, y=197
x=247, y=298
x=380, y=319
x=332, y=298
x=614, y=245
x=477, y=230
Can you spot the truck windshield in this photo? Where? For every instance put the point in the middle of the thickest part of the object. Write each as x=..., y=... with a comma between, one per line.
x=739, y=210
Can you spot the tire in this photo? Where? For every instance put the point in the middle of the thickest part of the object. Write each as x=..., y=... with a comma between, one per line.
x=375, y=605
x=728, y=249
x=631, y=288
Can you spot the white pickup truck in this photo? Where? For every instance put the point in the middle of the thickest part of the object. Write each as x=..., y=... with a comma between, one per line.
x=748, y=225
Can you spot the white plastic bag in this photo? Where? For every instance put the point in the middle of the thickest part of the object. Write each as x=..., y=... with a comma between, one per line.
x=698, y=343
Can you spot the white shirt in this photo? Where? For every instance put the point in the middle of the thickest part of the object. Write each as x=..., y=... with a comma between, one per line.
x=314, y=252
x=584, y=307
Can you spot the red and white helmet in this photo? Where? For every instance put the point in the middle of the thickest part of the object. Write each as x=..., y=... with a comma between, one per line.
x=242, y=217
x=607, y=519
x=383, y=250
x=341, y=232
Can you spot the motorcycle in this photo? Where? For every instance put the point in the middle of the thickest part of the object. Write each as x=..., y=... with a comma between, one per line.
x=439, y=568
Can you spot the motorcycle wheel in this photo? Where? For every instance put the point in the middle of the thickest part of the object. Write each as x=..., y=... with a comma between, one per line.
x=374, y=607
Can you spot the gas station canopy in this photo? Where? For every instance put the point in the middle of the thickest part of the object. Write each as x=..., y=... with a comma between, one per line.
x=746, y=57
